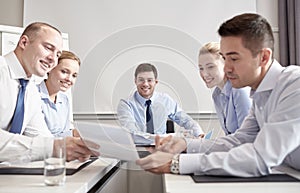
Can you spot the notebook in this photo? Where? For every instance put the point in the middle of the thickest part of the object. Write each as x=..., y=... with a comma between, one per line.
x=231, y=179
x=37, y=167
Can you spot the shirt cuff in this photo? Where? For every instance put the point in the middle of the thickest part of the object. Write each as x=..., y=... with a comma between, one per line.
x=193, y=145
x=40, y=146
x=197, y=131
x=188, y=163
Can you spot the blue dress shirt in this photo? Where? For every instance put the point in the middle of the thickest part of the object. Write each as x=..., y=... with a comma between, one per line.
x=232, y=106
x=132, y=114
x=56, y=115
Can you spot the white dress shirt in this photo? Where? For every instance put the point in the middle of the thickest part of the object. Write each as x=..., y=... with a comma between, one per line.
x=269, y=136
x=18, y=149
x=33, y=124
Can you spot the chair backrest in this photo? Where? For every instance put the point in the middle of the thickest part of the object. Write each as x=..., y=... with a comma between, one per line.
x=170, y=126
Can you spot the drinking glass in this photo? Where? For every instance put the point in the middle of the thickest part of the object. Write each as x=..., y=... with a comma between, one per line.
x=55, y=162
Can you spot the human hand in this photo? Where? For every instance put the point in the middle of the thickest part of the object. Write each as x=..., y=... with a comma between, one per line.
x=75, y=133
x=158, y=162
x=170, y=144
x=201, y=136
x=76, y=149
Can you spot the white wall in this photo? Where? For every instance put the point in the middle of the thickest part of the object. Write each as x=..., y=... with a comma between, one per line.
x=89, y=22
x=112, y=37
x=269, y=9
x=11, y=12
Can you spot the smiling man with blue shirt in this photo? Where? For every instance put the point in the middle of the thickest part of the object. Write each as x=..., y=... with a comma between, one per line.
x=132, y=112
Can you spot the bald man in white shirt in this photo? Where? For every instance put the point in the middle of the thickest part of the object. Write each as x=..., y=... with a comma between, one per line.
x=37, y=52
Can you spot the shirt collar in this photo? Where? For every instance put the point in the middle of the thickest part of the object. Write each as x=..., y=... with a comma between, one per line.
x=227, y=88
x=45, y=94
x=43, y=90
x=271, y=77
x=143, y=100
x=15, y=68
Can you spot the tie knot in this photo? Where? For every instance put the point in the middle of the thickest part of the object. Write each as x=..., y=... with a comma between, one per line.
x=148, y=102
x=23, y=82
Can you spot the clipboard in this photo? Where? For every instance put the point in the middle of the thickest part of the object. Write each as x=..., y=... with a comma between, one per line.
x=232, y=179
x=19, y=170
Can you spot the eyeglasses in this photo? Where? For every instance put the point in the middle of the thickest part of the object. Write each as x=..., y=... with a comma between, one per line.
x=142, y=80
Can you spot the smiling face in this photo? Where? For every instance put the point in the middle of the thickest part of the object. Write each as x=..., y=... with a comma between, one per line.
x=211, y=70
x=40, y=52
x=145, y=83
x=63, y=76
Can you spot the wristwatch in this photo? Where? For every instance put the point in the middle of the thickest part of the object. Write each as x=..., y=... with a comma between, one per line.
x=174, y=168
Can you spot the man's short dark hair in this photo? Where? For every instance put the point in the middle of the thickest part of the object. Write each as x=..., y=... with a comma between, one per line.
x=255, y=31
x=145, y=67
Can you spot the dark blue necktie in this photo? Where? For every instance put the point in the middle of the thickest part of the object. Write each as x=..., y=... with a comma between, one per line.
x=17, y=122
x=149, y=120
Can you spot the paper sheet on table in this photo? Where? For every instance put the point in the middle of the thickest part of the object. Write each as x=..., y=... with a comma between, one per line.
x=75, y=164
x=114, y=141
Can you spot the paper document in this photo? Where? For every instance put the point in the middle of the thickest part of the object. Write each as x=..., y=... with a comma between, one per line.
x=114, y=141
x=75, y=164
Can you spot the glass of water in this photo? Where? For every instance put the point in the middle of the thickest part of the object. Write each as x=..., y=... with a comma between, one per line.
x=55, y=162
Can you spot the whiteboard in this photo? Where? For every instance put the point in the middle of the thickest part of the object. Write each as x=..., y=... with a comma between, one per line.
x=113, y=36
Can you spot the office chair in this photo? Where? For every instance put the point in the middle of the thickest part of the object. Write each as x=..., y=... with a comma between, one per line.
x=170, y=126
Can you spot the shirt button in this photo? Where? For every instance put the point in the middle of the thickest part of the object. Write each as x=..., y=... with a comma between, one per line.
x=193, y=150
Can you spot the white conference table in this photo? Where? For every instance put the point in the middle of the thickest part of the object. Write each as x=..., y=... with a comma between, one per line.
x=184, y=183
x=94, y=178
x=80, y=182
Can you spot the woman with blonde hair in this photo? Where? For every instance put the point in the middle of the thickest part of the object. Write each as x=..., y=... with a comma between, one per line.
x=56, y=104
x=232, y=105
